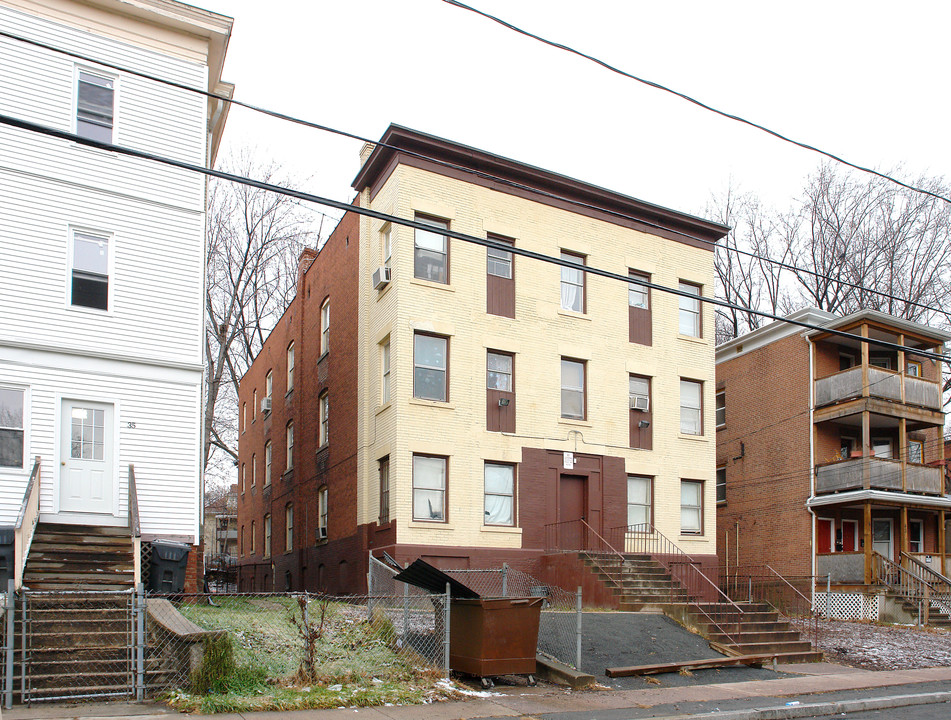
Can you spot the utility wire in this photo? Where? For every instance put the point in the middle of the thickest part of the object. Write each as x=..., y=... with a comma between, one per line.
x=485, y=242
x=688, y=98
x=462, y=168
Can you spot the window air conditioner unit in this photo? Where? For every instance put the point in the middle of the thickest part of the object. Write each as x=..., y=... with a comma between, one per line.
x=381, y=277
x=640, y=402
x=266, y=405
x=321, y=533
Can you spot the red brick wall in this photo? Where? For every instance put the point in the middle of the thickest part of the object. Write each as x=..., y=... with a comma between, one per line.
x=767, y=410
x=332, y=275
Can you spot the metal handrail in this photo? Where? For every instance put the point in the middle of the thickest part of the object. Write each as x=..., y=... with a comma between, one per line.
x=791, y=586
x=134, y=526
x=26, y=522
x=643, y=530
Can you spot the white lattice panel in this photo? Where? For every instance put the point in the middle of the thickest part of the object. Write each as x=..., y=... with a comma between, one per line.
x=848, y=606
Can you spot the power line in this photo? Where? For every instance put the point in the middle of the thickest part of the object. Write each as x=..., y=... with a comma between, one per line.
x=485, y=242
x=462, y=168
x=688, y=98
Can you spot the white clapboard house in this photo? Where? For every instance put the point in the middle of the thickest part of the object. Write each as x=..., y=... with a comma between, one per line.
x=101, y=282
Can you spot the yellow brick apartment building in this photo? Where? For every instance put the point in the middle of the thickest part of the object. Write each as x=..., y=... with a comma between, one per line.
x=499, y=408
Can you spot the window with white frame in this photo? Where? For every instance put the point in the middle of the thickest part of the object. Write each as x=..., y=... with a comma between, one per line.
x=499, y=371
x=325, y=327
x=89, y=274
x=721, y=408
x=572, y=389
x=691, y=407
x=254, y=405
x=267, y=463
x=244, y=476
x=572, y=283
x=289, y=432
x=324, y=412
x=690, y=310
x=385, y=370
x=916, y=536
x=290, y=367
x=95, y=106
x=323, y=513
x=499, y=494
x=12, y=429
x=429, y=488
x=384, y=490
x=267, y=536
x=721, y=484
x=638, y=294
x=244, y=416
x=639, y=393
x=639, y=493
x=386, y=244
x=253, y=539
x=268, y=386
x=430, y=365
x=691, y=507
x=254, y=470
x=288, y=527
x=431, y=251
x=499, y=262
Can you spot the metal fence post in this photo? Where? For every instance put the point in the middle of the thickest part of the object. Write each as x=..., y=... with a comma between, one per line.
x=829, y=596
x=750, y=592
x=141, y=608
x=405, y=613
x=505, y=579
x=578, y=632
x=9, y=607
x=446, y=641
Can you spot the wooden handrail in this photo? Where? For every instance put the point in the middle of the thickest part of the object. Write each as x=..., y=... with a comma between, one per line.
x=931, y=571
x=26, y=522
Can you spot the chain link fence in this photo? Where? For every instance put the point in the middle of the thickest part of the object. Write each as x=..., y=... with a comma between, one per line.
x=559, y=632
x=298, y=637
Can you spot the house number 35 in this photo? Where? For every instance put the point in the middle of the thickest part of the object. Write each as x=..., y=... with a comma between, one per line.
x=130, y=425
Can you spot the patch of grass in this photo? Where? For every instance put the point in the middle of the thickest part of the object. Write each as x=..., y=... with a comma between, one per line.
x=307, y=698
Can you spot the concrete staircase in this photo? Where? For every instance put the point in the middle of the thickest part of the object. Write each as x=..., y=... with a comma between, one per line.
x=80, y=557
x=758, y=630
x=643, y=584
x=937, y=616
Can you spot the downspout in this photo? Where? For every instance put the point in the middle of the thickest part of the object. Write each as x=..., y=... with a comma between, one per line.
x=812, y=467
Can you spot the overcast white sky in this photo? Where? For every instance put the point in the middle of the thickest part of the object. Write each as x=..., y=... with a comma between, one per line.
x=866, y=80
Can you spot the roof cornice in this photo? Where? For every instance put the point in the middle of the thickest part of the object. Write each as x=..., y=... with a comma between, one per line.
x=609, y=203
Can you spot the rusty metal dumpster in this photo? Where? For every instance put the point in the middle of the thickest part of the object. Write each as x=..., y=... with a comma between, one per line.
x=494, y=636
x=488, y=636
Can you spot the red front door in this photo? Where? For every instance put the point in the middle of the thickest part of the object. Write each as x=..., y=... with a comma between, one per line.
x=571, y=510
x=823, y=536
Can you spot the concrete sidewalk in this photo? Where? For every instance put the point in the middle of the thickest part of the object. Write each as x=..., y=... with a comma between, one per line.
x=809, y=679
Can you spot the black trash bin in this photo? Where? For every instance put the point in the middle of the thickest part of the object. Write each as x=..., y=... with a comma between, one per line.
x=168, y=563
x=6, y=555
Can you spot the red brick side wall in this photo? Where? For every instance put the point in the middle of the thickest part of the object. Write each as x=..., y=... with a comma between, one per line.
x=332, y=275
x=768, y=477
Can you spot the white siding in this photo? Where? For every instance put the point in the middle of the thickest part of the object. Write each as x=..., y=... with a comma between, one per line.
x=145, y=353
x=163, y=446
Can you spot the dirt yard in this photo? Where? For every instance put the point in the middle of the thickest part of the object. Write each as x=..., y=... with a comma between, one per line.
x=883, y=647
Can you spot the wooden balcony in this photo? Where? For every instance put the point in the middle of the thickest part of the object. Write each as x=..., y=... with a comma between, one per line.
x=883, y=384
x=870, y=473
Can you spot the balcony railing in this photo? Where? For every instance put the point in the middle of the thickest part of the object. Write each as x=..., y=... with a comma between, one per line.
x=885, y=384
x=882, y=473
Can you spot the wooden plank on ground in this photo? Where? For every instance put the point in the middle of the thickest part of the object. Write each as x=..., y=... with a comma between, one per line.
x=755, y=660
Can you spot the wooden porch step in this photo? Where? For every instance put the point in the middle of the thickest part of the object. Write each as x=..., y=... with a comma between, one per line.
x=757, y=660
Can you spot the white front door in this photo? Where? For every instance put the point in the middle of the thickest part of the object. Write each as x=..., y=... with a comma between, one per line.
x=87, y=476
x=882, y=537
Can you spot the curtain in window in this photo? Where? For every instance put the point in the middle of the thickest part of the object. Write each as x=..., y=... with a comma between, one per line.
x=499, y=489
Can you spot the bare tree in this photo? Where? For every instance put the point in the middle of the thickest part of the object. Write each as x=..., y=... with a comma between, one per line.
x=859, y=242
x=254, y=240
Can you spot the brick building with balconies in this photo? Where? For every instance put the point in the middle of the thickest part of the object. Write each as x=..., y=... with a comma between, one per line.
x=826, y=447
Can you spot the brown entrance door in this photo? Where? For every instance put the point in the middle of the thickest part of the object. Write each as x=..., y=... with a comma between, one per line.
x=571, y=510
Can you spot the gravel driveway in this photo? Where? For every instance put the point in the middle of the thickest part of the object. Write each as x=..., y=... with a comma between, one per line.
x=618, y=639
